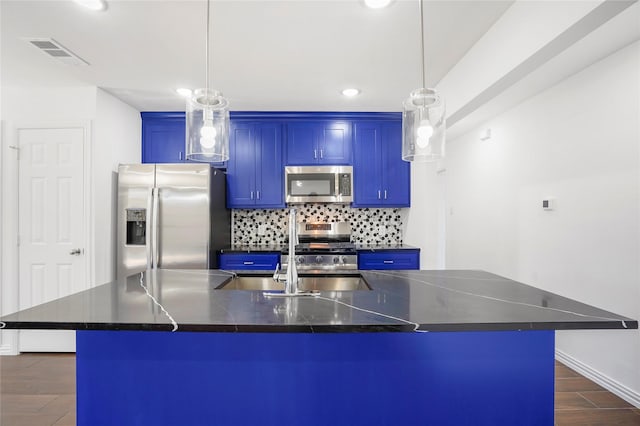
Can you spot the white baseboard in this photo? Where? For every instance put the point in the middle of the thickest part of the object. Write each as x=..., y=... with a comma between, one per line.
x=629, y=395
x=47, y=341
x=9, y=341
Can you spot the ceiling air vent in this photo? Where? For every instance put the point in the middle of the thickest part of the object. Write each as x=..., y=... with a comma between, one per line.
x=58, y=51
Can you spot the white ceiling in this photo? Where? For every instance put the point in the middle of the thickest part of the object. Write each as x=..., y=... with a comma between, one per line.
x=265, y=56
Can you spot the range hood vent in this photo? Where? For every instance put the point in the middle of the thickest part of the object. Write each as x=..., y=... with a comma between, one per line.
x=56, y=50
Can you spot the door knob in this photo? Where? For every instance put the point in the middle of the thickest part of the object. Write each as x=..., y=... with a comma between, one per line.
x=76, y=252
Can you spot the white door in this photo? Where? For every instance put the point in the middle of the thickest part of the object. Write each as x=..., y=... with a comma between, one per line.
x=51, y=226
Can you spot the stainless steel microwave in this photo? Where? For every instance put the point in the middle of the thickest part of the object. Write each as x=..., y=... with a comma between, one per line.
x=318, y=184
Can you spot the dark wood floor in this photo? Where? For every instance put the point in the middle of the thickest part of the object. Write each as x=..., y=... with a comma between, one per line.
x=39, y=390
x=581, y=402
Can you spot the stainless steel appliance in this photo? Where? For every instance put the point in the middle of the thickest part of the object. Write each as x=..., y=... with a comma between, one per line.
x=170, y=216
x=324, y=248
x=318, y=184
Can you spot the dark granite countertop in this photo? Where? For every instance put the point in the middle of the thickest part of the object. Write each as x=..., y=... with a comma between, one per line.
x=449, y=300
x=378, y=247
x=255, y=248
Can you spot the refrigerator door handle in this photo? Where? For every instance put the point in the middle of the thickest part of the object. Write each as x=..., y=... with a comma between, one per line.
x=156, y=199
x=148, y=230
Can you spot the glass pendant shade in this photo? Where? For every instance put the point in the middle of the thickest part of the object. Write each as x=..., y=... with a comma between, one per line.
x=423, y=126
x=207, y=127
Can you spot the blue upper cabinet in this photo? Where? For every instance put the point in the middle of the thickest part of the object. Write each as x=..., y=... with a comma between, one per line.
x=255, y=169
x=163, y=137
x=381, y=178
x=261, y=143
x=396, y=173
x=319, y=142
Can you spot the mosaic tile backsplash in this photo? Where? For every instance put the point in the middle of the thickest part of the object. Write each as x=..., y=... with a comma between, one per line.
x=368, y=225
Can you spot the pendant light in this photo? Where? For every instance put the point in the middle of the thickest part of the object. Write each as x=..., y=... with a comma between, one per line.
x=423, y=119
x=207, y=120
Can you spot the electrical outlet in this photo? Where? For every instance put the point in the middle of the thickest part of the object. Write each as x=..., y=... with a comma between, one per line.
x=262, y=229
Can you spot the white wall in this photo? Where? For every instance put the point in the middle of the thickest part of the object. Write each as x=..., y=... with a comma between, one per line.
x=425, y=220
x=524, y=29
x=116, y=139
x=113, y=136
x=26, y=107
x=578, y=142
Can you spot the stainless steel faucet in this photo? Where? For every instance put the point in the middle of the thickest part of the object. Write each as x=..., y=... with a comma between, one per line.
x=291, y=283
x=291, y=280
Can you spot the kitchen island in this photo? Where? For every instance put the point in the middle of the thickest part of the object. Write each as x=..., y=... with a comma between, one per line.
x=170, y=347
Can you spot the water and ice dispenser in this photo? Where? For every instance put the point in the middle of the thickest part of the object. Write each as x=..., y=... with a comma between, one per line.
x=136, y=227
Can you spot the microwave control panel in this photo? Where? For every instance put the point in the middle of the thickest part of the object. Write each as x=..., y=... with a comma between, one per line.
x=345, y=184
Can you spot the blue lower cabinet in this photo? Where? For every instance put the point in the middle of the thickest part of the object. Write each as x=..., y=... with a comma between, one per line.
x=389, y=259
x=249, y=261
x=460, y=378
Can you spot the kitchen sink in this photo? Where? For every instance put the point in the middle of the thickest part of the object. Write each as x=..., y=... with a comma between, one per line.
x=305, y=283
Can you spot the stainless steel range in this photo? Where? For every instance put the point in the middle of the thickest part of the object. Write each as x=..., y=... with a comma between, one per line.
x=324, y=248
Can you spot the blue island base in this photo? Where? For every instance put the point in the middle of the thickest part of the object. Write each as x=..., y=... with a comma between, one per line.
x=440, y=378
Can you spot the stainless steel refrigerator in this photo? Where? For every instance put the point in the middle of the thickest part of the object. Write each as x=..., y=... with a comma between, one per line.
x=170, y=216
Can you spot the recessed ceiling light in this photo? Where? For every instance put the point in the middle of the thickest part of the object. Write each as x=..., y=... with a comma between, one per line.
x=184, y=92
x=350, y=93
x=377, y=4
x=93, y=4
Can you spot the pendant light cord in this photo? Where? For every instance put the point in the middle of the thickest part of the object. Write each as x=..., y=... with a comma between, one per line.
x=206, y=46
x=424, y=84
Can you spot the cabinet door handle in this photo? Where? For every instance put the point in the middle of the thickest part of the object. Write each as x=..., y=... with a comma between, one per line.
x=378, y=194
x=252, y=195
x=180, y=155
x=247, y=262
x=321, y=153
x=315, y=153
x=388, y=262
x=258, y=195
x=385, y=194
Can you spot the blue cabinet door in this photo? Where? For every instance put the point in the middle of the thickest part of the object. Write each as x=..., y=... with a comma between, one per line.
x=381, y=178
x=389, y=259
x=249, y=261
x=163, y=136
x=396, y=175
x=241, y=167
x=367, y=176
x=255, y=170
x=319, y=142
x=302, y=143
x=269, y=167
x=335, y=143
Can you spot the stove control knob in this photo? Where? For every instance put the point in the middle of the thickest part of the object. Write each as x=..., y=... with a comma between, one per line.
x=343, y=259
x=318, y=259
x=336, y=259
x=299, y=260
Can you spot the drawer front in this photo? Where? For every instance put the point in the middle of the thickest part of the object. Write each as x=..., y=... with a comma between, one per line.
x=246, y=261
x=389, y=259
